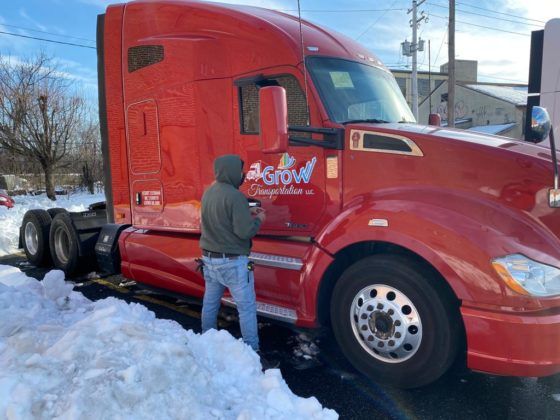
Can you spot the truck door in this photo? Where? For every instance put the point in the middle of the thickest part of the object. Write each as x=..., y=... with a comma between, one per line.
x=291, y=185
x=144, y=155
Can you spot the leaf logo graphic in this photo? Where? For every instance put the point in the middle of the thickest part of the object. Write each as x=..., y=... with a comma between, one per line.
x=286, y=161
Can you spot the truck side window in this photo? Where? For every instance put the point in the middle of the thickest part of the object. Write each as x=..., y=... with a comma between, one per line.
x=249, y=103
x=143, y=56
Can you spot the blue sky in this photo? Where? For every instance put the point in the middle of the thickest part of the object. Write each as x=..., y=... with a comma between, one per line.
x=502, y=48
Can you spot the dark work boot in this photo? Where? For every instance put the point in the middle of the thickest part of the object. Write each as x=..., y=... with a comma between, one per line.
x=268, y=363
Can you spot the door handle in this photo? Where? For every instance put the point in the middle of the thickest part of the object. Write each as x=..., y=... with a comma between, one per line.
x=138, y=198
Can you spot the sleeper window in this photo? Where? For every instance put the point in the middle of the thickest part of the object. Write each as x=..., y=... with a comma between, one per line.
x=249, y=103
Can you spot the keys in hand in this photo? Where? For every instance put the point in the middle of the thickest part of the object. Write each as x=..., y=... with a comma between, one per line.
x=259, y=212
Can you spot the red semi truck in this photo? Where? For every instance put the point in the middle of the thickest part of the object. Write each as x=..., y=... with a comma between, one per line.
x=414, y=243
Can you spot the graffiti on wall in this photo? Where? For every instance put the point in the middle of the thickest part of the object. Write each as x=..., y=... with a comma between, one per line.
x=460, y=110
x=481, y=112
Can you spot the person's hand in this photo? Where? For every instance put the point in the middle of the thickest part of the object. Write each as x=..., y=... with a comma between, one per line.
x=261, y=215
x=255, y=210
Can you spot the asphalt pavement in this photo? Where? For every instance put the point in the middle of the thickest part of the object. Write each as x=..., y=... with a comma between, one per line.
x=312, y=365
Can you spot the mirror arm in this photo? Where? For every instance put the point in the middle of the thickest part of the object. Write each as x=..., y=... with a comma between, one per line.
x=554, y=159
x=333, y=138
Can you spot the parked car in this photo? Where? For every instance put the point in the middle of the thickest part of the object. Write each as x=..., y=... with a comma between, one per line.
x=6, y=200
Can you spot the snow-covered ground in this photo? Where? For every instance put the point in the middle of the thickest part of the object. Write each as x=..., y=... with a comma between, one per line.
x=10, y=219
x=64, y=356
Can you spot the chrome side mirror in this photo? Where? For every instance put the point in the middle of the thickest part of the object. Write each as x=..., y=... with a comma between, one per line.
x=554, y=198
x=273, y=119
x=540, y=124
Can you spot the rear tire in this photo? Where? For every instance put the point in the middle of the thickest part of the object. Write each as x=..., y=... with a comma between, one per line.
x=394, y=323
x=64, y=244
x=35, y=237
x=54, y=211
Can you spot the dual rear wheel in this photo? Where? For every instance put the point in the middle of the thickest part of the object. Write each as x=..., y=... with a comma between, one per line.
x=64, y=244
x=50, y=238
x=35, y=237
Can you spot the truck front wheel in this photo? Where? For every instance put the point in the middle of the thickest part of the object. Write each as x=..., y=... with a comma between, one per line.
x=393, y=322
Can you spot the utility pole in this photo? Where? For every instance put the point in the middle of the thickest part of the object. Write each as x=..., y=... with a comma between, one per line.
x=451, y=67
x=411, y=49
x=430, y=74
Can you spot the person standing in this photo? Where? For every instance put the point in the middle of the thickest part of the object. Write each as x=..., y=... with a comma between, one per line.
x=228, y=225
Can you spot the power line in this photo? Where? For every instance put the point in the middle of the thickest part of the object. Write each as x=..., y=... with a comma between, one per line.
x=481, y=26
x=377, y=20
x=486, y=16
x=441, y=45
x=391, y=9
x=503, y=78
x=500, y=13
x=45, y=32
x=480, y=74
x=340, y=10
x=48, y=40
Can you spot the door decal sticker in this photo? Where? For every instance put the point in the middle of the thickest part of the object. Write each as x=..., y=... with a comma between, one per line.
x=286, y=178
x=151, y=198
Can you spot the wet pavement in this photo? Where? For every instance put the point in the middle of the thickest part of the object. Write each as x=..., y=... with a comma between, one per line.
x=312, y=365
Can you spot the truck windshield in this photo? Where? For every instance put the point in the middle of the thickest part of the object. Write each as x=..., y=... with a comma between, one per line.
x=354, y=92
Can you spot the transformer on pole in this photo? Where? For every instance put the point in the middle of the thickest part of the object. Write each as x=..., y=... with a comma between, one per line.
x=410, y=49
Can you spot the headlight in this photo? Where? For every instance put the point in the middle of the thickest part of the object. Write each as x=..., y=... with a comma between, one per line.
x=527, y=276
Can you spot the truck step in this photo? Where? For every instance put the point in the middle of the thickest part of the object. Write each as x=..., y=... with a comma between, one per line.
x=279, y=261
x=268, y=310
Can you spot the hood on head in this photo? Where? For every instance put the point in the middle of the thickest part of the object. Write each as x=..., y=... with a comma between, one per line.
x=228, y=169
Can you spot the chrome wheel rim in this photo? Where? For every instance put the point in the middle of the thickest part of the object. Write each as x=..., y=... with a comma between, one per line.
x=61, y=245
x=386, y=323
x=31, y=238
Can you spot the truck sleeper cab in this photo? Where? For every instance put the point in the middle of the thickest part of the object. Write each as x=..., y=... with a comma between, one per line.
x=406, y=239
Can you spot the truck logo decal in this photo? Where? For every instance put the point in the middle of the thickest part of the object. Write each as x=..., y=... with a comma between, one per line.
x=284, y=179
x=271, y=176
x=286, y=161
x=255, y=172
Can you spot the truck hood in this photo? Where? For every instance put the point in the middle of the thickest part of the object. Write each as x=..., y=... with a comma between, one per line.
x=505, y=176
x=458, y=139
x=473, y=139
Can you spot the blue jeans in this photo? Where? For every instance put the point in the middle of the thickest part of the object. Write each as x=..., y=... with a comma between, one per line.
x=222, y=273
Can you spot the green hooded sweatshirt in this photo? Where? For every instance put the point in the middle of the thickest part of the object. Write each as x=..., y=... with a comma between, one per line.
x=227, y=225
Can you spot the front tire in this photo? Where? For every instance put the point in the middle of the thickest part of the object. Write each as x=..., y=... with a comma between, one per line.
x=393, y=322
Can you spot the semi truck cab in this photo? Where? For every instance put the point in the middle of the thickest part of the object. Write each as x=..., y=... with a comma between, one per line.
x=414, y=244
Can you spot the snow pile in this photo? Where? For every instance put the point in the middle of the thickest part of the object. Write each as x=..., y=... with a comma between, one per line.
x=64, y=356
x=10, y=219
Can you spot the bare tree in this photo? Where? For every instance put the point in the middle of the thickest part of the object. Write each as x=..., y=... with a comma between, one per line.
x=39, y=113
x=90, y=157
